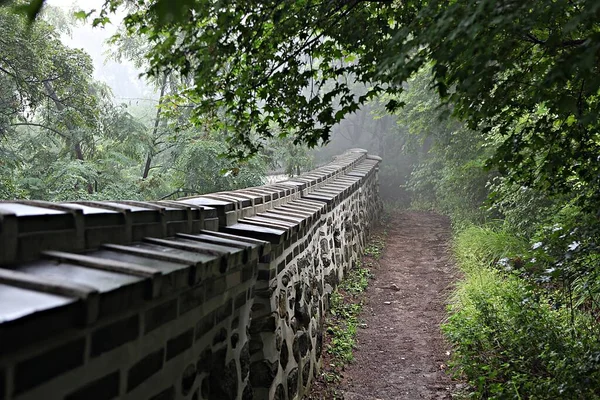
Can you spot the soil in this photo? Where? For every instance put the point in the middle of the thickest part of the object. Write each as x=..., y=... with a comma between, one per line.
x=401, y=352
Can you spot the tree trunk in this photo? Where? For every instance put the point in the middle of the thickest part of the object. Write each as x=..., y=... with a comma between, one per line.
x=148, y=164
x=384, y=126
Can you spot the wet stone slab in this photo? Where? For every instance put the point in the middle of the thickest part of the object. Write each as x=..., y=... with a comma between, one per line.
x=28, y=316
x=274, y=236
x=117, y=290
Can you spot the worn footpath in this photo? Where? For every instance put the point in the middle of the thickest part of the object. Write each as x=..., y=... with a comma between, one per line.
x=400, y=351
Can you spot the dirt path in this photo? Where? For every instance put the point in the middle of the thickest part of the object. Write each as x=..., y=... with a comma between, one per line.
x=401, y=353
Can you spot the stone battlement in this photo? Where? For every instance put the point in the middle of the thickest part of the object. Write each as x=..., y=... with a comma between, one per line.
x=219, y=296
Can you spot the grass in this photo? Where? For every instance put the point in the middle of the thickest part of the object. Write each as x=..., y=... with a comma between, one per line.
x=375, y=246
x=345, y=306
x=509, y=341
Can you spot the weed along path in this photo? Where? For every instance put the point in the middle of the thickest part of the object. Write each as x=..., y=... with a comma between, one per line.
x=400, y=350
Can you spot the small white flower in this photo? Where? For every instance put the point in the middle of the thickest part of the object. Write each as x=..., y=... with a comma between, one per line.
x=574, y=245
x=503, y=261
x=536, y=245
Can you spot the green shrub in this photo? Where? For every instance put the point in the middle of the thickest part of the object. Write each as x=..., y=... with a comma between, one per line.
x=508, y=341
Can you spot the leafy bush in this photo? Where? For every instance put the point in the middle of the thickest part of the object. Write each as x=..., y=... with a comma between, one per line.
x=201, y=169
x=458, y=191
x=509, y=341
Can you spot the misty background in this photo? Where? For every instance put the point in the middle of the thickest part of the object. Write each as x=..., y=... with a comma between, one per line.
x=169, y=162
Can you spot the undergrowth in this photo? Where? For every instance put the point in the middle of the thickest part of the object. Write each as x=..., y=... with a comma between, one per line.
x=510, y=339
x=345, y=304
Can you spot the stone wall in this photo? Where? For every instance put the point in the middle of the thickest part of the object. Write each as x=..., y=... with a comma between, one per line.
x=220, y=296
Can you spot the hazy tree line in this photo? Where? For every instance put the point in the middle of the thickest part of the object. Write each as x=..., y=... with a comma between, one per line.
x=63, y=136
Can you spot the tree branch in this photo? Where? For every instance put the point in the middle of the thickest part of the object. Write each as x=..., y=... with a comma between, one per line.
x=40, y=126
x=567, y=43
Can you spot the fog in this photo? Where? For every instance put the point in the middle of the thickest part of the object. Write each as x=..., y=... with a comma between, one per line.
x=370, y=128
x=123, y=78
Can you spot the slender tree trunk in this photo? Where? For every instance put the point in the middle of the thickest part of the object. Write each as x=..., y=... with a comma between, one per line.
x=358, y=128
x=148, y=164
x=78, y=151
x=384, y=125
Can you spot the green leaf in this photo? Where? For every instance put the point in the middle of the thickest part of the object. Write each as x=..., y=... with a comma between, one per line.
x=82, y=15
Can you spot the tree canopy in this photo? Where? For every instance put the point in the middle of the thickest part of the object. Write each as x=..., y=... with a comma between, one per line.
x=63, y=136
x=525, y=73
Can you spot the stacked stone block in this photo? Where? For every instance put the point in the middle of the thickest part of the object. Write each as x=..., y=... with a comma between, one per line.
x=219, y=296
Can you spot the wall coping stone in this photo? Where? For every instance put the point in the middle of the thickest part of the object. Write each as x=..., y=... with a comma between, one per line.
x=80, y=262
x=75, y=290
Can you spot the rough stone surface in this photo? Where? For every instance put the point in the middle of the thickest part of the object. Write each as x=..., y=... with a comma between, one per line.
x=284, y=355
x=234, y=340
x=223, y=378
x=279, y=393
x=306, y=373
x=292, y=383
x=302, y=314
x=256, y=345
x=282, y=304
x=262, y=373
x=319, y=345
x=332, y=279
x=285, y=279
x=188, y=379
x=248, y=394
x=245, y=361
x=304, y=262
x=220, y=336
x=303, y=340
x=264, y=324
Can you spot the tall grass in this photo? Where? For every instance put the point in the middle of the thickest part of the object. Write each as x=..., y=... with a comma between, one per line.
x=509, y=341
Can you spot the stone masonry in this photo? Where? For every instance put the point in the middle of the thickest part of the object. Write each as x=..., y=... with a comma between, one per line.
x=220, y=296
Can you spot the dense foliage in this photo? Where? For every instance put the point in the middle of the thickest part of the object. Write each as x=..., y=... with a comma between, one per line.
x=511, y=341
x=64, y=137
x=524, y=321
x=524, y=73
